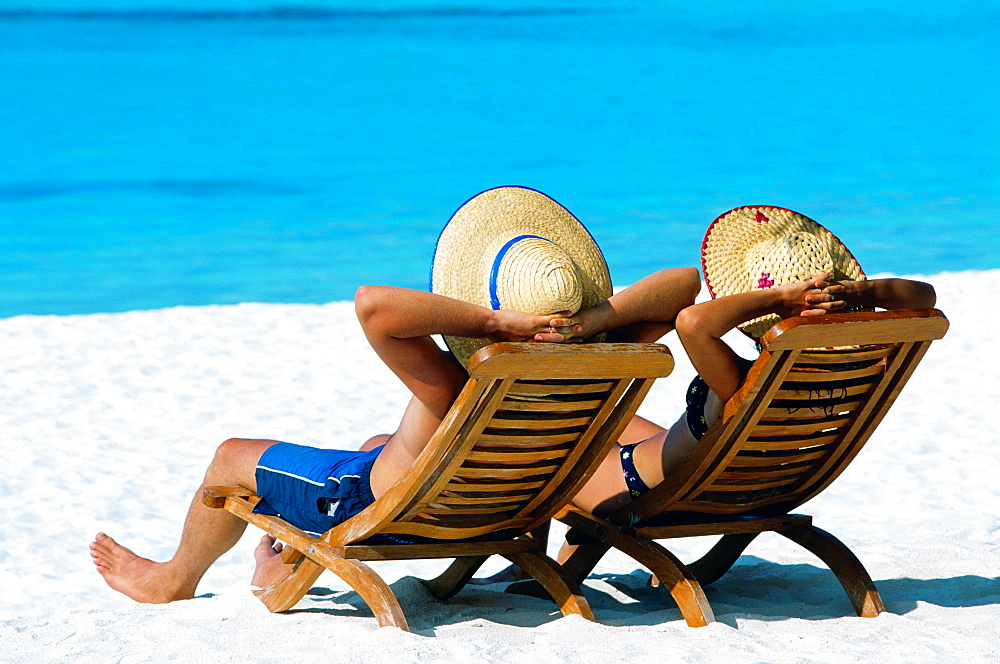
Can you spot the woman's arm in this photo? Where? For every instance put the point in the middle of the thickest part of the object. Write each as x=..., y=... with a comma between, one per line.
x=892, y=293
x=702, y=326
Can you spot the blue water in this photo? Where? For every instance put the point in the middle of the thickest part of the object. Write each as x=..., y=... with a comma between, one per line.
x=163, y=153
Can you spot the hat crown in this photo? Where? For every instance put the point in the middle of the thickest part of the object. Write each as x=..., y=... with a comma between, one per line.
x=790, y=258
x=536, y=276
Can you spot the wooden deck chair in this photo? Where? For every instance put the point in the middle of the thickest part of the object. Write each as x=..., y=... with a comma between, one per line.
x=530, y=427
x=819, y=389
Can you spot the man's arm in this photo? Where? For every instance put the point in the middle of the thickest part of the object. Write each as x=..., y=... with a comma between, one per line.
x=646, y=310
x=398, y=323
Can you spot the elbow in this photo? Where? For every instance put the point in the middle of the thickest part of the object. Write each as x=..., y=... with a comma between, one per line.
x=913, y=295
x=928, y=296
x=369, y=305
x=687, y=322
x=692, y=283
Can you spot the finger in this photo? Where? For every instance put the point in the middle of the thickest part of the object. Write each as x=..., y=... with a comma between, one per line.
x=822, y=280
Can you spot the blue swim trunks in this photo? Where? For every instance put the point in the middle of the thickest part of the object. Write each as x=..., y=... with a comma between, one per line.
x=314, y=489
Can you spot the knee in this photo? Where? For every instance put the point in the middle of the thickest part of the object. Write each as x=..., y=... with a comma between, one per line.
x=235, y=462
x=231, y=452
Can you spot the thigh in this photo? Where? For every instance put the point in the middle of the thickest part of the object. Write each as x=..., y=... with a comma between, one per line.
x=639, y=429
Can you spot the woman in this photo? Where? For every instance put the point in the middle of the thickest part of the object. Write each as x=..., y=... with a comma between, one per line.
x=765, y=264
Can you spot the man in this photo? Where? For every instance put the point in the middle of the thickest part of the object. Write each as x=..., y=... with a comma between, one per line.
x=511, y=248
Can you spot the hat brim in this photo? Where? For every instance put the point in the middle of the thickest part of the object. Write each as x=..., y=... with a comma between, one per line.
x=480, y=229
x=733, y=234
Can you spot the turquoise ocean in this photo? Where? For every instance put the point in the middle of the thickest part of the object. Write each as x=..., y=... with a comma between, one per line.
x=174, y=152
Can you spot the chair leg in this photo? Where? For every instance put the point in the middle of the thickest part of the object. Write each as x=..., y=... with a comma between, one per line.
x=375, y=592
x=670, y=572
x=455, y=577
x=720, y=559
x=550, y=575
x=576, y=568
x=585, y=556
x=850, y=572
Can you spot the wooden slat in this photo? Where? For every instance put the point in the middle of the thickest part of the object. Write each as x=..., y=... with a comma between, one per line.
x=751, y=486
x=814, y=407
x=529, y=455
x=464, y=485
x=445, y=549
x=583, y=405
x=855, y=329
x=724, y=527
x=747, y=473
x=496, y=510
x=526, y=361
x=838, y=376
x=862, y=354
x=552, y=390
x=801, y=442
x=531, y=438
x=521, y=445
x=452, y=499
x=802, y=426
x=452, y=532
x=506, y=472
x=558, y=421
x=747, y=460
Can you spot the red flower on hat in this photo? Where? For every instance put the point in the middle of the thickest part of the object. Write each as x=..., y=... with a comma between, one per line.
x=761, y=217
x=765, y=280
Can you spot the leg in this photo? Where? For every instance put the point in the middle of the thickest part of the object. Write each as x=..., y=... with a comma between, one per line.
x=207, y=534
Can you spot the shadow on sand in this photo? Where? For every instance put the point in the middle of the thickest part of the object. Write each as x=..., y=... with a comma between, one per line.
x=754, y=588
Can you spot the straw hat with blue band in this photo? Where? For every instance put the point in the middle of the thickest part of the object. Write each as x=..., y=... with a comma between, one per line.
x=761, y=246
x=515, y=248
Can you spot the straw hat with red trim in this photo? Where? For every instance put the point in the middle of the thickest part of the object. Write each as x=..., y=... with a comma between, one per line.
x=515, y=248
x=760, y=246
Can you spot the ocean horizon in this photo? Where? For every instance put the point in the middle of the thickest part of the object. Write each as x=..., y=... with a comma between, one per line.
x=178, y=153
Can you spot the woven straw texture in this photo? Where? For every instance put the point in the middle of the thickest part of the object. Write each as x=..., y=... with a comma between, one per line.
x=761, y=246
x=515, y=248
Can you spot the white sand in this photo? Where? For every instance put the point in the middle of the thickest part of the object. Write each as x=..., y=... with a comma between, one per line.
x=108, y=421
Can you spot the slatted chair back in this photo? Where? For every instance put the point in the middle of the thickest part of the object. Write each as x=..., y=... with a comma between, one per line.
x=517, y=444
x=809, y=403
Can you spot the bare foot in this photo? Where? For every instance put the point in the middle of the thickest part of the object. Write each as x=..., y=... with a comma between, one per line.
x=508, y=575
x=139, y=578
x=270, y=567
